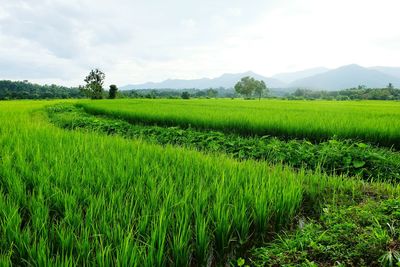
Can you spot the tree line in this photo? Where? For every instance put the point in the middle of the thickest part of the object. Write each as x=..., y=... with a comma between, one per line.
x=247, y=87
x=359, y=93
x=178, y=93
x=27, y=90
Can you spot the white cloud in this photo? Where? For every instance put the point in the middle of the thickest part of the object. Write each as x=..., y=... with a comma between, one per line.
x=188, y=23
x=316, y=33
x=234, y=11
x=135, y=41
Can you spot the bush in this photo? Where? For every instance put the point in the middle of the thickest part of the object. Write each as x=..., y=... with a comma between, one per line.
x=185, y=95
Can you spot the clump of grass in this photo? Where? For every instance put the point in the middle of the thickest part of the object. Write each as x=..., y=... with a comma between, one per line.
x=366, y=234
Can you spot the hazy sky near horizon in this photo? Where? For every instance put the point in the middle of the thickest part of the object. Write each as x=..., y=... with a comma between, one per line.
x=59, y=41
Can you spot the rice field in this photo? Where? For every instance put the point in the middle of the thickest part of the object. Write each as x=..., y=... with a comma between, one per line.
x=74, y=198
x=371, y=121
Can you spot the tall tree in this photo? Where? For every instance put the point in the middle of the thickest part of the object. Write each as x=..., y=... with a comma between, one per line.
x=260, y=88
x=248, y=85
x=212, y=92
x=245, y=86
x=94, y=84
x=112, y=93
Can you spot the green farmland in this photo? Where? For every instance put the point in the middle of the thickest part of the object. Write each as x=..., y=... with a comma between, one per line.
x=374, y=121
x=199, y=183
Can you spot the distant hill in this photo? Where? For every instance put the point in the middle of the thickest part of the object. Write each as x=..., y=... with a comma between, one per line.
x=346, y=77
x=317, y=78
x=392, y=71
x=226, y=80
x=289, y=77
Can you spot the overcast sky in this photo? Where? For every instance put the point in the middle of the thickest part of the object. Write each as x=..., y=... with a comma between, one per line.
x=59, y=41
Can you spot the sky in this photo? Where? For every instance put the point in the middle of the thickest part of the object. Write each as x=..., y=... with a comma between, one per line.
x=60, y=41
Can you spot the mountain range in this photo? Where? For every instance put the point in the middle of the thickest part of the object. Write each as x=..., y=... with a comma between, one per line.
x=320, y=78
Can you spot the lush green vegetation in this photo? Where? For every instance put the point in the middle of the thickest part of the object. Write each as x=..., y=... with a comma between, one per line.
x=177, y=93
x=333, y=156
x=86, y=198
x=365, y=234
x=360, y=93
x=373, y=121
x=83, y=198
x=248, y=87
x=26, y=90
x=94, y=84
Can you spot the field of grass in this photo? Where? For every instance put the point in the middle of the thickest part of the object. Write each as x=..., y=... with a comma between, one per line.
x=371, y=121
x=333, y=156
x=85, y=198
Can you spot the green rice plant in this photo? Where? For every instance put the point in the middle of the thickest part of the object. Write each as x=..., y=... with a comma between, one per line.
x=333, y=156
x=181, y=247
x=371, y=121
x=202, y=236
x=84, y=198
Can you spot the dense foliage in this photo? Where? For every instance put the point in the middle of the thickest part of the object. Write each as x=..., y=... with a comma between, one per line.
x=365, y=234
x=185, y=95
x=177, y=93
x=26, y=90
x=360, y=93
x=112, y=92
x=94, y=84
x=248, y=86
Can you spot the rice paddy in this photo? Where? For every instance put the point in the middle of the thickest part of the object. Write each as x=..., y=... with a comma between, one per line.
x=83, y=198
x=372, y=121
